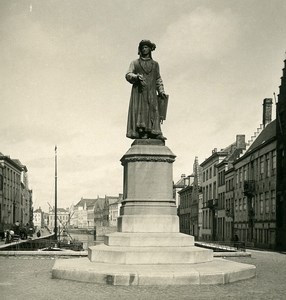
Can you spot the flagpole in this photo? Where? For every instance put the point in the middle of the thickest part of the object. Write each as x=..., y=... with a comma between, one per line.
x=56, y=204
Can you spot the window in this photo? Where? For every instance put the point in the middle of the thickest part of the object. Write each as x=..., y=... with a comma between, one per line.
x=240, y=205
x=223, y=200
x=267, y=202
x=245, y=175
x=1, y=182
x=240, y=175
x=244, y=203
x=273, y=161
x=214, y=190
x=267, y=165
x=256, y=204
x=273, y=201
x=236, y=205
x=261, y=166
x=261, y=203
x=210, y=172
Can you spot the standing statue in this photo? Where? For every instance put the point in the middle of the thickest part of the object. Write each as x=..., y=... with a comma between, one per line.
x=147, y=96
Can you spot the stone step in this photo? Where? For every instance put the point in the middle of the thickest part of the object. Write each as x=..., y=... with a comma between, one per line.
x=149, y=255
x=126, y=239
x=218, y=271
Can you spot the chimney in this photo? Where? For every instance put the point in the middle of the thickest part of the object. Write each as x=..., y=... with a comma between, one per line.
x=187, y=181
x=195, y=166
x=267, y=111
x=183, y=175
x=240, y=141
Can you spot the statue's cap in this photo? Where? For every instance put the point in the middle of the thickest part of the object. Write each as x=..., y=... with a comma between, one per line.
x=147, y=43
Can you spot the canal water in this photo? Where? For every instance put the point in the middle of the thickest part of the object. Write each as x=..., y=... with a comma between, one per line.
x=86, y=239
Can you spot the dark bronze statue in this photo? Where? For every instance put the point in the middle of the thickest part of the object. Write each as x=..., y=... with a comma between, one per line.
x=148, y=101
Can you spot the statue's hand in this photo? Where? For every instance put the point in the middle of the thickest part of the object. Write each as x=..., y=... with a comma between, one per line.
x=163, y=95
x=140, y=77
x=141, y=80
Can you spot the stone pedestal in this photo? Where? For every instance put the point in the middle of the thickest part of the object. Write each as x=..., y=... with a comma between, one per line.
x=148, y=225
x=148, y=204
x=148, y=248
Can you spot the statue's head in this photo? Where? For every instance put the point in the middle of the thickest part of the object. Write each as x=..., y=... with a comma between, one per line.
x=148, y=43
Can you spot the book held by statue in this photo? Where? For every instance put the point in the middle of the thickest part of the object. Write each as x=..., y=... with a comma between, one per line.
x=162, y=106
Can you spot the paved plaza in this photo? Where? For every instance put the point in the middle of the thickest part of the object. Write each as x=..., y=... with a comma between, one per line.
x=30, y=278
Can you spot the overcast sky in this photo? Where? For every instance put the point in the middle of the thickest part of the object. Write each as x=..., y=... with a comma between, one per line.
x=62, y=82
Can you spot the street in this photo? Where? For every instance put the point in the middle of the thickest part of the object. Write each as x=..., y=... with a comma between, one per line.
x=30, y=278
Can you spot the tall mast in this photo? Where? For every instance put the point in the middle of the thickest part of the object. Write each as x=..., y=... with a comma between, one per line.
x=56, y=204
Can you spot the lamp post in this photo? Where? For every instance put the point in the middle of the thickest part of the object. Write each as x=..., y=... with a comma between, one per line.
x=56, y=204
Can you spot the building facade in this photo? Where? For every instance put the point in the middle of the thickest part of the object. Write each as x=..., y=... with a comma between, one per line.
x=26, y=197
x=38, y=218
x=229, y=203
x=281, y=163
x=209, y=191
x=222, y=217
x=190, y=208
x=255, y=191
x=177, y=187
x=214, y=189
x=114, y=210
x=15, y=197
x=63, y=219
x=244, y=191
x=185, y=209
x=82, y=215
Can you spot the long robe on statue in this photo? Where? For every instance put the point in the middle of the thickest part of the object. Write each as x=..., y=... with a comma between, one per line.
x=143, y=114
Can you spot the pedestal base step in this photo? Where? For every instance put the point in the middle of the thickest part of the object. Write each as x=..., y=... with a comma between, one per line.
x=149, y=255
x=148, y=223
x=127, y=239
x=219, y=271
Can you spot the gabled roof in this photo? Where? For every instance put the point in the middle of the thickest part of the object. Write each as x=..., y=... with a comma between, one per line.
x=268, y=133
x=17, y=161
x=99, y=204
x=13, y=162
x=111, y=199
x=229, y=148
x=216, y=155
x=63, y=210
x=232, y=156
x=180, y=183
x=188, y=187
x=86, y=202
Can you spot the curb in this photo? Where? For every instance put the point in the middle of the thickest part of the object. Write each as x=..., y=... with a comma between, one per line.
x=44, y=253
x=232, y=254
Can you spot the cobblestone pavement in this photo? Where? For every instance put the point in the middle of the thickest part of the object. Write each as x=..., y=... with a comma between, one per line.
x=30, y=278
